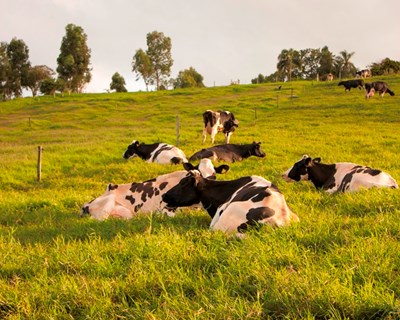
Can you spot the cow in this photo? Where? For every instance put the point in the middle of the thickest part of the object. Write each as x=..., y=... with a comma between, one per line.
x=348, y=84
x=233, y=205
x=378, y=86
x=127, y=200
x=338, y=177
x=157, y=152
x=230, y=152
x=219, y=121
x=364, y=74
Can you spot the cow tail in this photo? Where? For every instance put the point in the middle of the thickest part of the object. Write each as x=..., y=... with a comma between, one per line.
x=390, y=92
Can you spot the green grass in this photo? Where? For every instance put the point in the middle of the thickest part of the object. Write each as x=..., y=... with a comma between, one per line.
x=342, y=261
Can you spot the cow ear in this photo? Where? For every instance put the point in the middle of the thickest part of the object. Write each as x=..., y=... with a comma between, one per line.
x=224, y=168
x=136, y=143
x=308, y=162
x=188, y=166
x=317, y=160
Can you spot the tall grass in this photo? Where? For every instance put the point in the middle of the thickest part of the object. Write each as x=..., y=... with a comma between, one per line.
x=341, y=261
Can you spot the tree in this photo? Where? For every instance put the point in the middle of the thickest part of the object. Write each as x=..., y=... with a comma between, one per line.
x=142, y=65
x=288, y=60
x=325, y=62
x=74, y=59
x=19, y=65
x=155, y=64
x=347, y=67
x=118, y=83
x=36, y=75
x=189, y=78
x=386, y=66
x=49, y=86
x=5, y=70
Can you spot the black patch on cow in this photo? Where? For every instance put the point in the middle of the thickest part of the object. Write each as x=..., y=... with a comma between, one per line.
x=372, y=172
x=112, y=187
x=163, y=185
x=138, y=207
x=254, y=216
x=146, y=189
x=345, y=183
x=131, y=199
x=250, y=192
x=176, y=160
x=164, y=147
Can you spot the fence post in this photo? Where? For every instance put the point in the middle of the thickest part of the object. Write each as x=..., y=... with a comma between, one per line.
x=177, y=131
x=39, y=164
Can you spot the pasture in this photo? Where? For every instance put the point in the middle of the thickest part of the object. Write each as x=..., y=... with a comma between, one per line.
x=342, y=261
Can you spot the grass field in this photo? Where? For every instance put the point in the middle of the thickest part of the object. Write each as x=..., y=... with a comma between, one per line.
x=342, y=261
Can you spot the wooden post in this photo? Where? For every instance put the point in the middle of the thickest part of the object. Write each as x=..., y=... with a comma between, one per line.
x=39, y=165
x=177, y=131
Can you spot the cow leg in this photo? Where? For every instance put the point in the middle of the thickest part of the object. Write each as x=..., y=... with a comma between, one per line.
x=214, y=132
x=204, y=135
x=228, y=137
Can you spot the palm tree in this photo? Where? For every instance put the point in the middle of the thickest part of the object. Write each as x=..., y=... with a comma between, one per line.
x=348, y=68
x=288, y=60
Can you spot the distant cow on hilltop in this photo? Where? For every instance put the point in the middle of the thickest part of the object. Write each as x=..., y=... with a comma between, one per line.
x=219, y=121
x=356, y=83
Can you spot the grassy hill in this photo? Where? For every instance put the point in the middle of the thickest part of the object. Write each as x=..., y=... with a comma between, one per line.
x=341, y=261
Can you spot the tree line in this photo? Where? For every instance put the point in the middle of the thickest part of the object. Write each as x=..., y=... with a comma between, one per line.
x=153, y=65
x=311, y=64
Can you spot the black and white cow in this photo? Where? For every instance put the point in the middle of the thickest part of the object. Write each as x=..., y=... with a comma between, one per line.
x=356, y=83
x=365, y=73
x=219, y=121
x=233, y=205
x=378, y=86
x=126, y=200
x=157, y=152
x=230, y=152
x=338, y=177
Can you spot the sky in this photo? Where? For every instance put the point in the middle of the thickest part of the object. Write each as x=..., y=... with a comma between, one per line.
x=224, y=40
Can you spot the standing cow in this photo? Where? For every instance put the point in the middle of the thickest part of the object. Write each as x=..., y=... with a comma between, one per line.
x=338, y=177
x=378, y=86
x=233, y=205
x=219, y=121
x=348, y=84
x=126, y=200
x=157, y=152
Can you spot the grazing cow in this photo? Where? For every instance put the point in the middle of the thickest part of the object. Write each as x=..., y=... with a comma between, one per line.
x=356, y=83
x=378, y=86
x=126, y=200
x=230, y=152
x=364, y=74
x=157, y=152
x=233, y=205
x=338, y=177
x=217, y=121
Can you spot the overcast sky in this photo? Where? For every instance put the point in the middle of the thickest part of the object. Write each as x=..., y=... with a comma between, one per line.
x=223, y=40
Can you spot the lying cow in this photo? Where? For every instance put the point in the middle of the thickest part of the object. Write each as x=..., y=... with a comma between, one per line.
x=233, y=205
x=378, y=86
x=126, y=200
x=219, y=121
x=157, y=152
x=338, y=177
x=357, y=83
x=230, y=152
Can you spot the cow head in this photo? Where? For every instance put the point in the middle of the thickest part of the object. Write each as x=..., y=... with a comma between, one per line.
x=206, y=168
x=132, y=150
x=105, y=206
x=299, y=170
x=185, y=193
x=230, y=124
x=256, y=150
